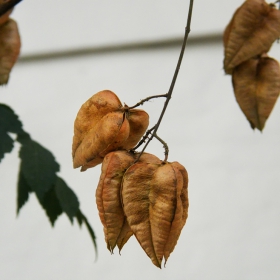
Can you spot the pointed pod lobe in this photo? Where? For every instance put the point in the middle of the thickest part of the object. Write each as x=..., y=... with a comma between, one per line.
x=138, y=124
x=108, y=135
x=108, y=200
x=251, y=32
x=91, y=112
x=9, y=49
x=256, y=84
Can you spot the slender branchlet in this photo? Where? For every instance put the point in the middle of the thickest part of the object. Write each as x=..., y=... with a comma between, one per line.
x=151, y=133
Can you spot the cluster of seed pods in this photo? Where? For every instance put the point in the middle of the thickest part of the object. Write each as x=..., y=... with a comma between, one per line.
x=141, y=196
x=103, y=125
x=255, y=76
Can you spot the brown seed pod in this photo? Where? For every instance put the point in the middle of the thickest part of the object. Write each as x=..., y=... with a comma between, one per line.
x=102, y=125
x=9, y=49
x=138, y=124
x=91, y=112
x=4, y=18
x=155, y=202
x=251, y=32
x=116, y=229
x=108, y=135
x=256, y=84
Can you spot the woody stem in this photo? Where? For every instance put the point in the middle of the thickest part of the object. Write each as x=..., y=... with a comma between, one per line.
x=169, y=94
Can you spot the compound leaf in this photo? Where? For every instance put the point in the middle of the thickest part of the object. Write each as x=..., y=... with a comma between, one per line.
x=67, y=199
x=38, y=166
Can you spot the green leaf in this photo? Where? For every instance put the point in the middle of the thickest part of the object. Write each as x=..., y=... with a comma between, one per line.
x=81, y=217
x=67, y=198
x=9, y=122
x=51, y=205
x=6, y=143
x=23, y=191
x=38, y=166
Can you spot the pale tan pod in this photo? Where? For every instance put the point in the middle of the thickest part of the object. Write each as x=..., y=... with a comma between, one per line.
x=116, y=229
x=155, y=201
x=163, y=207
x=109, y=134
x=91, y=112
x=251, y=32
x=181, y=213
x=256, y=84
x=138, y=124
x=135, y=196
x=9, y=49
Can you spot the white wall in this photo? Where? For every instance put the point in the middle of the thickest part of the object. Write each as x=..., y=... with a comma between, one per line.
x=233, y=227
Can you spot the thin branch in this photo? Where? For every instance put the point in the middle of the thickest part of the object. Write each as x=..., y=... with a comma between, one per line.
x=169, y=94
x=7, y=6
x=165, y=146
x=147, y=99
x=144, y=138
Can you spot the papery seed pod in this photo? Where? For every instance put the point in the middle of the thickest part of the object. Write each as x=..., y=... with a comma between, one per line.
x=91, y=112
x=4, y=18
x=155, y=202
x=138, y=124
x=256, y=84
x=108, y=135
x=116, y=229
x=182, y=206
x=9, y=49
x=251, y=32
x=94, y=136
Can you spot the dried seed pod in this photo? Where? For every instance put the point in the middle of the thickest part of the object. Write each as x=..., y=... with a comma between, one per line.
x=251, y=32
x=181, y=212
x=108, y=135
x=4, y=18
x=116, y=229
x=91, y=112
x=138, y=124
x=256, y=84
x=9, y=49
x=155, y=202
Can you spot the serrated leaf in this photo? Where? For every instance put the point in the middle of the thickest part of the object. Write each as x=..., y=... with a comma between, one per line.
x=23, y=191
x=81, y=217
x=38, y=167
x=51, y=205
x=9, y=120
x=67, y=199
x=6, y=143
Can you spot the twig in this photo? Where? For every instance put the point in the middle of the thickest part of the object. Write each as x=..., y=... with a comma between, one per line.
x=169, y=94
x=147, y=99
x=165, y=146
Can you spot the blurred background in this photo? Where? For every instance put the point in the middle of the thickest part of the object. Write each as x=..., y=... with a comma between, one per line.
x=73, y=49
